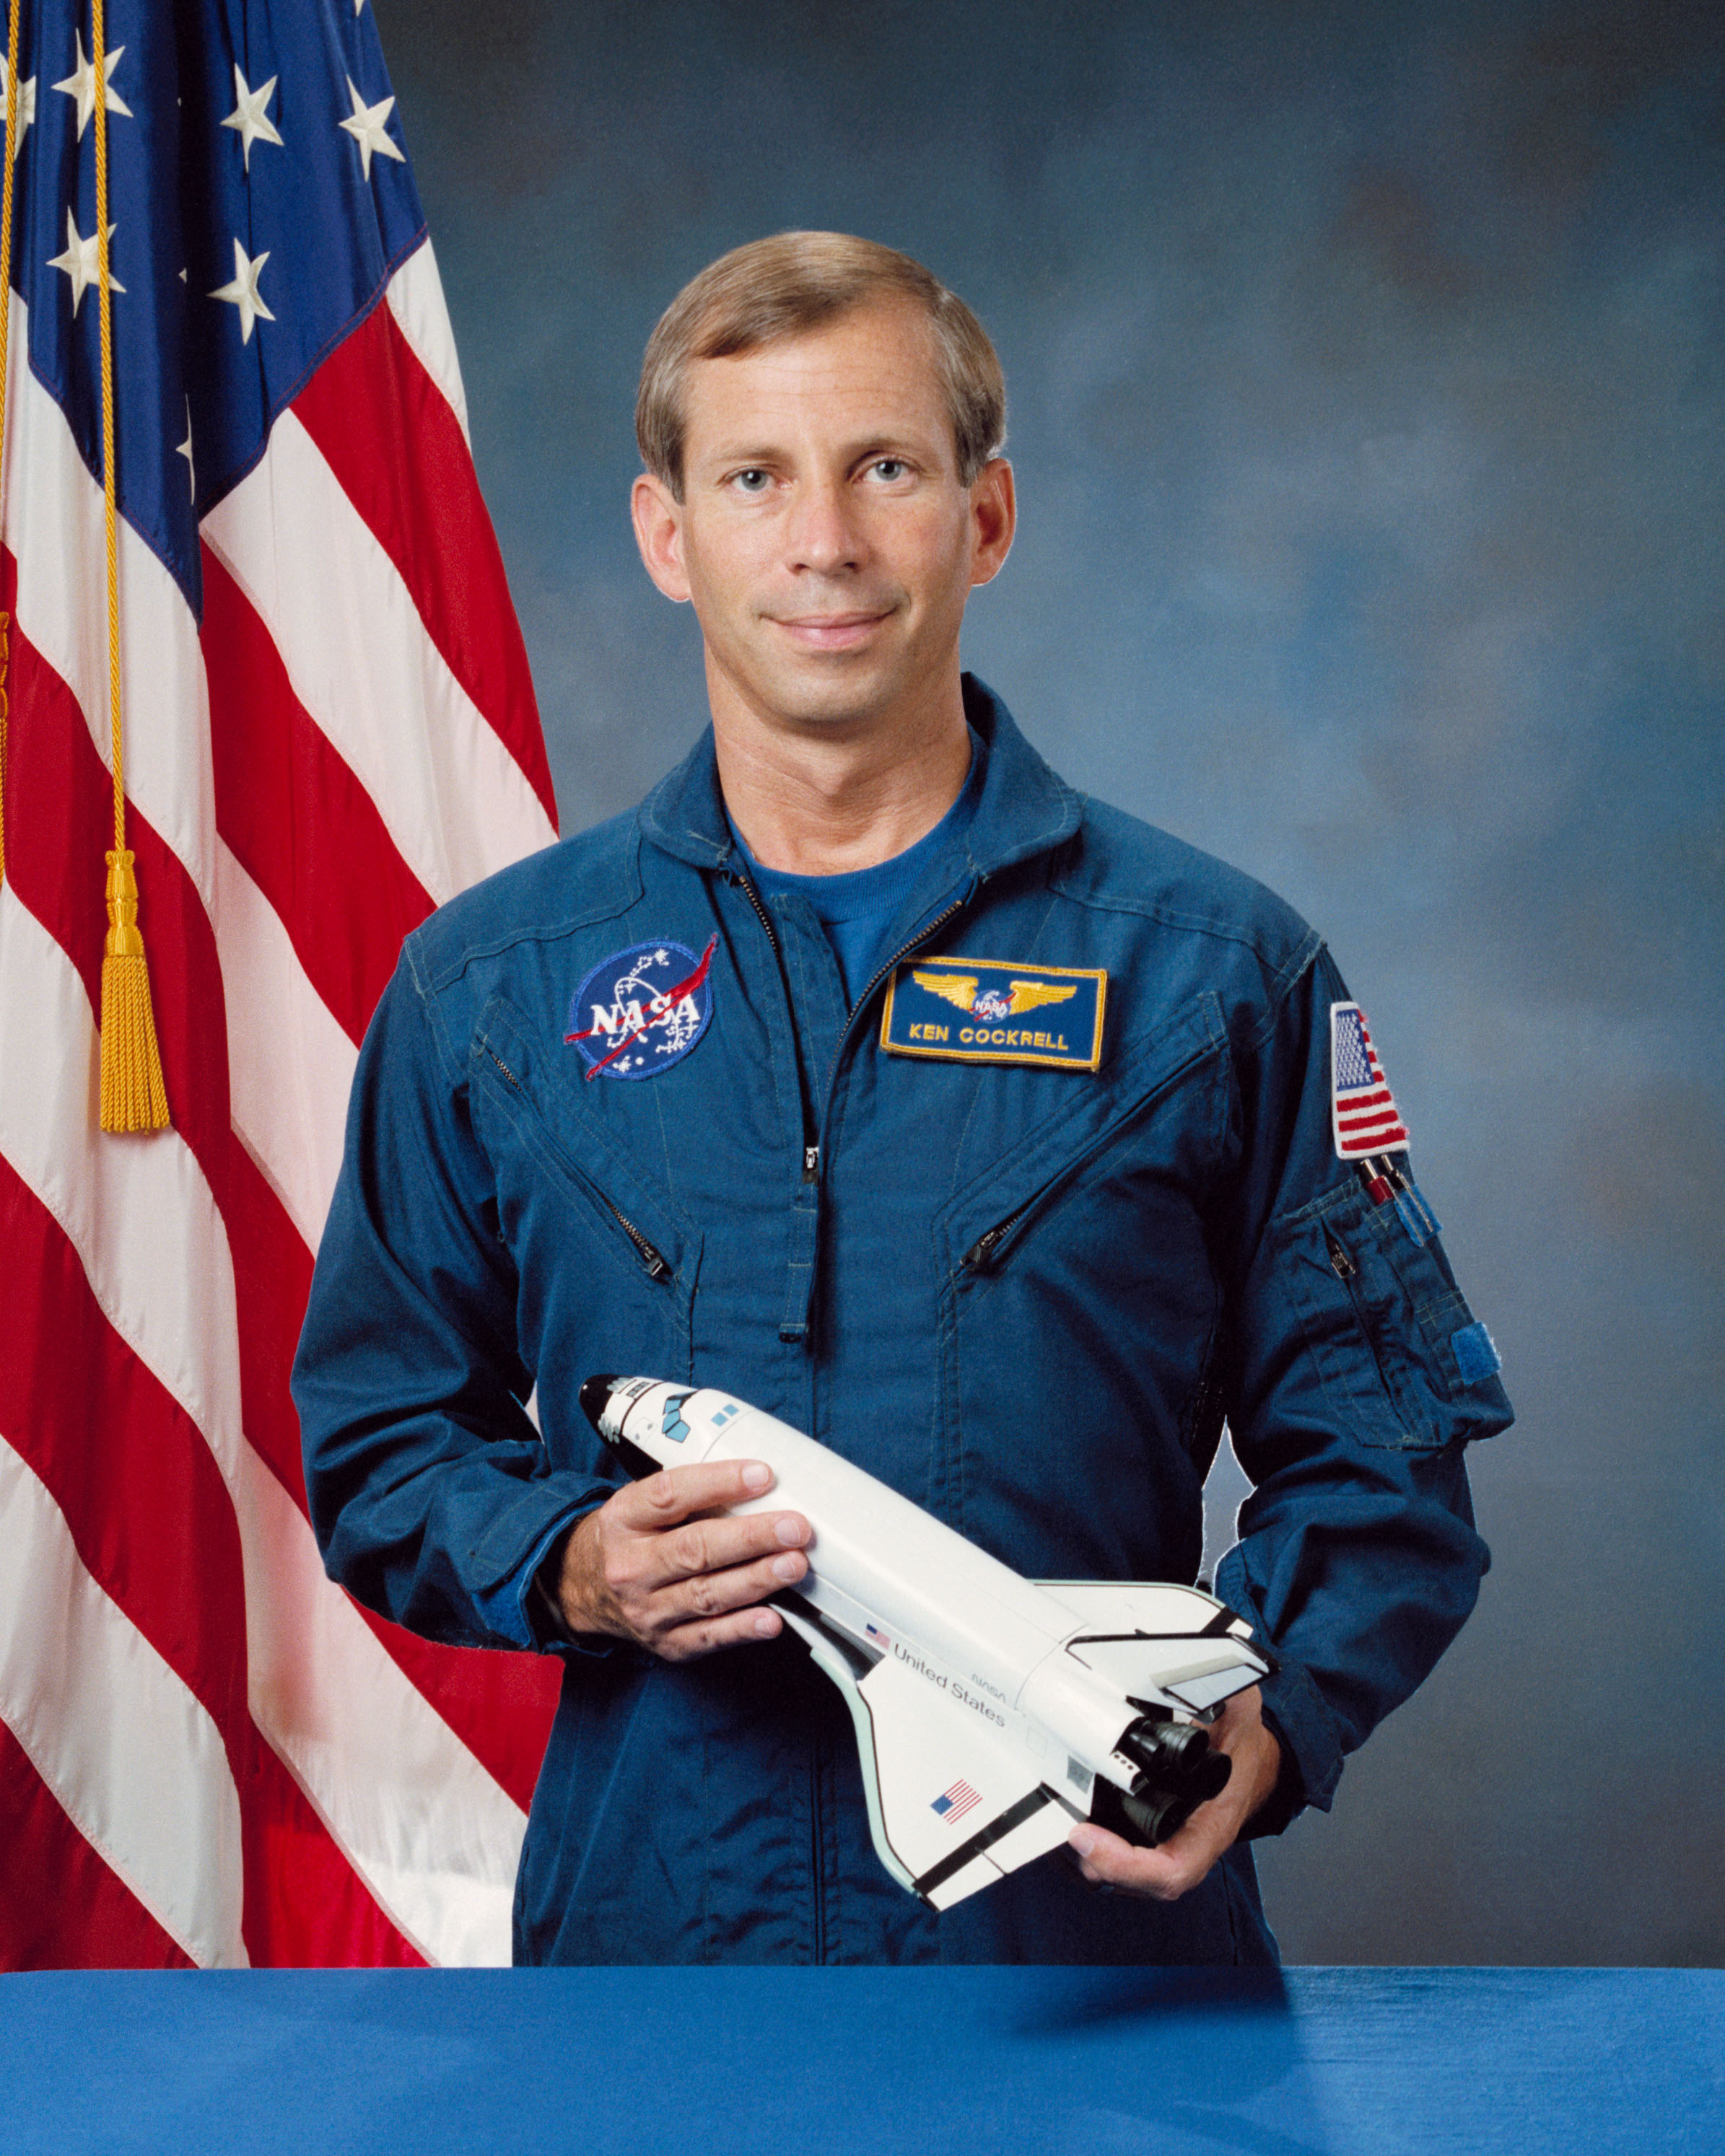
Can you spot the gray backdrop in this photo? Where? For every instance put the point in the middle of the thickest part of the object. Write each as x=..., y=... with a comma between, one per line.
x=1365, y=375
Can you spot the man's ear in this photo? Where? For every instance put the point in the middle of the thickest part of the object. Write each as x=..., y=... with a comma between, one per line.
x=658, y=532
x=994, y=518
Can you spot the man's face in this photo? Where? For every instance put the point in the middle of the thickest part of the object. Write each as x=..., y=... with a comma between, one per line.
x=824, y=536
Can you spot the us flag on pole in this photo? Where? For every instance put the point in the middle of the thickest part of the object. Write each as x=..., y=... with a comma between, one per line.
x=208, y=1753
x=1364, y=1112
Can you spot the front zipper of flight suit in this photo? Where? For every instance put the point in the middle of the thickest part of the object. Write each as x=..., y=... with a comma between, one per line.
x=811, y=1138
x=811, y=1143
x=898, y=958
x=657, y=1265
x=811, y=1174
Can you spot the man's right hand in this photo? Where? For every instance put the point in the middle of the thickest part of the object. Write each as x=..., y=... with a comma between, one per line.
x=662, y=1564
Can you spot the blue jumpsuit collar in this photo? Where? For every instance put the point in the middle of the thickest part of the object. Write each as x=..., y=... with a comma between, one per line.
x=1024, y=810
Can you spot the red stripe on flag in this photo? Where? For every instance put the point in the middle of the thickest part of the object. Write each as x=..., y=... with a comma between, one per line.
x=296, y=818
x=305, y=1907
x=1350, y=1101
x=387, y=432
x=60, y=1905
x=1373, y=1141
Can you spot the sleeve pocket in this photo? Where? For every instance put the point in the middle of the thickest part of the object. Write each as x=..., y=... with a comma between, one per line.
x=1403, y=1360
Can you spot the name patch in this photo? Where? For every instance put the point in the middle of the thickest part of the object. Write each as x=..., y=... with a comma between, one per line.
x=994, y=1010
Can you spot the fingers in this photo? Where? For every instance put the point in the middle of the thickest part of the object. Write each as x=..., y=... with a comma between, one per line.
x=670, y=1570
x=678, y=1493
x=682, y=1537
x=704, y=1600
x=1164, y=1874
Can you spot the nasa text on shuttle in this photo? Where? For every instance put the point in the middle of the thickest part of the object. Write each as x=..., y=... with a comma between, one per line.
x=1001, y=1143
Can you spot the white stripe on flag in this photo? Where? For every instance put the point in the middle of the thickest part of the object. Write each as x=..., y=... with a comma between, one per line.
x=416, y=300
x=366, y=1745
x=290, y=1064
x=451, y=797
x=133, y=1758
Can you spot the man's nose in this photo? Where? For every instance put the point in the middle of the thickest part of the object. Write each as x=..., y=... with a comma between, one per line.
x=824, y=533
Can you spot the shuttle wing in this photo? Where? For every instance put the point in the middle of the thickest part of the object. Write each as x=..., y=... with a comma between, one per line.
x=953, y=1802
x=1165, y=1645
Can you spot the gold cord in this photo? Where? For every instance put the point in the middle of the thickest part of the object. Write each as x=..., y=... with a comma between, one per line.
x=9, y=146
x=134, y=1097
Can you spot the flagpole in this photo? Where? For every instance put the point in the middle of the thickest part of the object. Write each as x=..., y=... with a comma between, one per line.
x=134, y=1097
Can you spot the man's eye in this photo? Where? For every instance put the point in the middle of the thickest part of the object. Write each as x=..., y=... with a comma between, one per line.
x=751, y=481
x=888, y=468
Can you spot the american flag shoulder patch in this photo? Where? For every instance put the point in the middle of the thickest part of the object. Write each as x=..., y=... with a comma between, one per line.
x=1363, y=1114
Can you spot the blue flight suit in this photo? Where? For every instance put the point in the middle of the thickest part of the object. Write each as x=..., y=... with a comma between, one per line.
x=1027, y=1297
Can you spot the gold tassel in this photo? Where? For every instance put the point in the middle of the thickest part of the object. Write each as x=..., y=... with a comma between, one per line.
x=133, y=1095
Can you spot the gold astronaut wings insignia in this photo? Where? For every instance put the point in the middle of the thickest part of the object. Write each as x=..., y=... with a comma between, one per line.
x=1031, y=995
x=959, y=988
x=1020, y=996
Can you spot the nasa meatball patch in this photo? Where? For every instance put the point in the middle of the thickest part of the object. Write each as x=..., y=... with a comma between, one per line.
x=641, y=1010
x=996, y=1010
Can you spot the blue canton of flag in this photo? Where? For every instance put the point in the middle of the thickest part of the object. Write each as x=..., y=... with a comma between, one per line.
x=1363, y=1114
x=256, y=175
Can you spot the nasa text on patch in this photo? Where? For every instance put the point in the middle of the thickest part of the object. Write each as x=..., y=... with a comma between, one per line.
x=641, y=1010
x=994, y=1010
x=1363, y=1114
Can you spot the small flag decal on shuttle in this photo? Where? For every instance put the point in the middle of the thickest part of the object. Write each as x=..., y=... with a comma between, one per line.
x=954, y=1802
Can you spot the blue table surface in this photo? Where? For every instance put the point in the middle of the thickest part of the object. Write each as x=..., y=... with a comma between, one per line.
x=730, y=2062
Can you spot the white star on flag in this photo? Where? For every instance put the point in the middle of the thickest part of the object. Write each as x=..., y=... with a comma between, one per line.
x=82, y=262
x=249, y=117
x=184, y=449
x=243, y=292
x=26, y=104
x=366, y=128
x=81, y=85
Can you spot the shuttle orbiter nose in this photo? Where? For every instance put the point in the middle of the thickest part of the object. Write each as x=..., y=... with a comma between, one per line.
x=595, y=1397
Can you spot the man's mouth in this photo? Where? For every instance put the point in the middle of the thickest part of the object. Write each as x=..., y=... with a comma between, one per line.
x=831, y=632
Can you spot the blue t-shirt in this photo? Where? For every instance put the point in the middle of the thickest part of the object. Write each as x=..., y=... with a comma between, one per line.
x=857, y=908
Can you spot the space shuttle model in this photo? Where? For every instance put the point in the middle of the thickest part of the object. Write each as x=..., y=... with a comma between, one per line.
x=992, y=1712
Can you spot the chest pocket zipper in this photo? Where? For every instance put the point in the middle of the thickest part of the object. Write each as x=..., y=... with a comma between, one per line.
x=992, y=1243
x=657, y=1265
x=985, y=1246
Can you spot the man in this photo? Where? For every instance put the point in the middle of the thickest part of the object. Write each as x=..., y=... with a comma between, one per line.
x=995, y=1138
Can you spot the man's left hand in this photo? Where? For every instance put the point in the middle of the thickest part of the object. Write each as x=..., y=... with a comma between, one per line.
x=1177, y=1867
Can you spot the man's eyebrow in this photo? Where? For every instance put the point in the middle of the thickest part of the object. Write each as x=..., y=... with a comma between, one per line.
x=744, y=454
